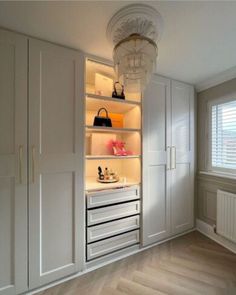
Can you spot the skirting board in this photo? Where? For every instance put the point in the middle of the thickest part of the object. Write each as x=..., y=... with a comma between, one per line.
x=131, y=251
x=208, y=230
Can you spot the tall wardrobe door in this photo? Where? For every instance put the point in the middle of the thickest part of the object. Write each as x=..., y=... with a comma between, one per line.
x=156, y=138
x=13, y=163
x=56, y=201
x=182, y=191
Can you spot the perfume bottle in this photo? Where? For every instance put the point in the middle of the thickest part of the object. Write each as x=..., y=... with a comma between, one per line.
x=100, y=174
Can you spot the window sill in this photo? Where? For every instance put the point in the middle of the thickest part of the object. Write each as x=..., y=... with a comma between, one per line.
x=217, y=174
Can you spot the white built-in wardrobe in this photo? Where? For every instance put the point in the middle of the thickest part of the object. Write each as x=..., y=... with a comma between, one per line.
x=41, y=163
x=168, y=159
x=42, y=197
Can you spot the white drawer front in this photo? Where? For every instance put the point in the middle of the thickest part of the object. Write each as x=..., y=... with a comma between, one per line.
x=112, y=228
x=110, y=213
x=112, y=244
x=113, y=196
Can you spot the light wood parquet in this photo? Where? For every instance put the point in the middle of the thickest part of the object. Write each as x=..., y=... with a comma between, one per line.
x=191, y=265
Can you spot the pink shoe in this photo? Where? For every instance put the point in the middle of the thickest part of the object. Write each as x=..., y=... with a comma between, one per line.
x=121, y=145
x=114, y=146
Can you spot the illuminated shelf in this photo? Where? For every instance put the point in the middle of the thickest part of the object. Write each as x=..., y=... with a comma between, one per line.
x=126, y=116
x=110, y=129
x=111, y=157
x=94, y=97
x=93, y=185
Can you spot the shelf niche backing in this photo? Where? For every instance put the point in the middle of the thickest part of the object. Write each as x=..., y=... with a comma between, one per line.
x=131, y=118
x=129, y=168
x=93, y=67
x=97, y=143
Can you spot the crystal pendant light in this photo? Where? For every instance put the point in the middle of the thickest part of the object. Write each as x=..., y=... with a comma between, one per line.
x=134, y=61
x=134, y=31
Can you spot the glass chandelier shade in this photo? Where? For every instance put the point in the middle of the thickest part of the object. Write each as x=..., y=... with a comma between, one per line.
x=134, y=61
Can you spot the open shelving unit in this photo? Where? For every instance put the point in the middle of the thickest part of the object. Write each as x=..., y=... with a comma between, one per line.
x=126, y=129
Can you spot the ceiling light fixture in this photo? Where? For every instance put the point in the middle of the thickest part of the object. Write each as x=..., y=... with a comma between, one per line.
x=134, y=31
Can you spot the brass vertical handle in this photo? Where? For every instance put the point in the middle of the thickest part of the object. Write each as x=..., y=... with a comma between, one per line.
x=20, y=154
x=33, y=164
x=173, y=157
x=168, y=150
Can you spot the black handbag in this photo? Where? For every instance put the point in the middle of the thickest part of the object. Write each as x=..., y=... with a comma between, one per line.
x=118, y=93
x=102, y=121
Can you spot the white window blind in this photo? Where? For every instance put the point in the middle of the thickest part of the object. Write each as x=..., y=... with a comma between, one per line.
x=223, y=149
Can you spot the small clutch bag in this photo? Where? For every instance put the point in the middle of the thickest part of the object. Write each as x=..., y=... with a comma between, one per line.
x=118, y=91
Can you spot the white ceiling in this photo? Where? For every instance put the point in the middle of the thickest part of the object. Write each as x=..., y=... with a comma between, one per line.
x=198, y=42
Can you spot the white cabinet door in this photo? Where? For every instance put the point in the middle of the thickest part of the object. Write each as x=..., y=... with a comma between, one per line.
x=156, y=180
x=56, y=200
x=13, y=163
x=182, y=188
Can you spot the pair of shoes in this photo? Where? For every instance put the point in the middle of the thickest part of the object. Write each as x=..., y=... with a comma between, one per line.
x=118, y=148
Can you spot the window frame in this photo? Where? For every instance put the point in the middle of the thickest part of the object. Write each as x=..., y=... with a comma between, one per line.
x=210, y=168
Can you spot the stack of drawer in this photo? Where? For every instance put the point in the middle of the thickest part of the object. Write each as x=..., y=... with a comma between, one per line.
x=112, y=220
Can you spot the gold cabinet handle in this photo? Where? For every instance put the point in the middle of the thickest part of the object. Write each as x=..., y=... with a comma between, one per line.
x=33, y=163
x=173, y=157
x=168, y=150
x=20, y=154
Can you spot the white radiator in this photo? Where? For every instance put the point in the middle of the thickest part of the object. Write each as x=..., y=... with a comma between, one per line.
x=226, y=215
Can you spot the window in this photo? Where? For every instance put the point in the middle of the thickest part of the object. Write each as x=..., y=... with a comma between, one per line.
x=223, y=137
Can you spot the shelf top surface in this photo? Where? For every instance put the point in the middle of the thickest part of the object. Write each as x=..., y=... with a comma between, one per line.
x=93, y=185
x=111, y=104
x=91, y=128
x=112, y=99
x=97, y=157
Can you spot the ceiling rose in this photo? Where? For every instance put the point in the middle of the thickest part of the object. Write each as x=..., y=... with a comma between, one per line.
x=134, y=31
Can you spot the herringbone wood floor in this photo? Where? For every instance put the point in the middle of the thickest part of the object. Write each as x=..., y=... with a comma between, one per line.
x=191, y=264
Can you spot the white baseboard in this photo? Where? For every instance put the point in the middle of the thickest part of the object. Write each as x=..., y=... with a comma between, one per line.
x=208, y=230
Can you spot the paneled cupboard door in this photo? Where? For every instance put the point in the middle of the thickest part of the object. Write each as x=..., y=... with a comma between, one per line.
x=13, y=163
x=182, y=188
x=56, y=201
x=156, y=161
